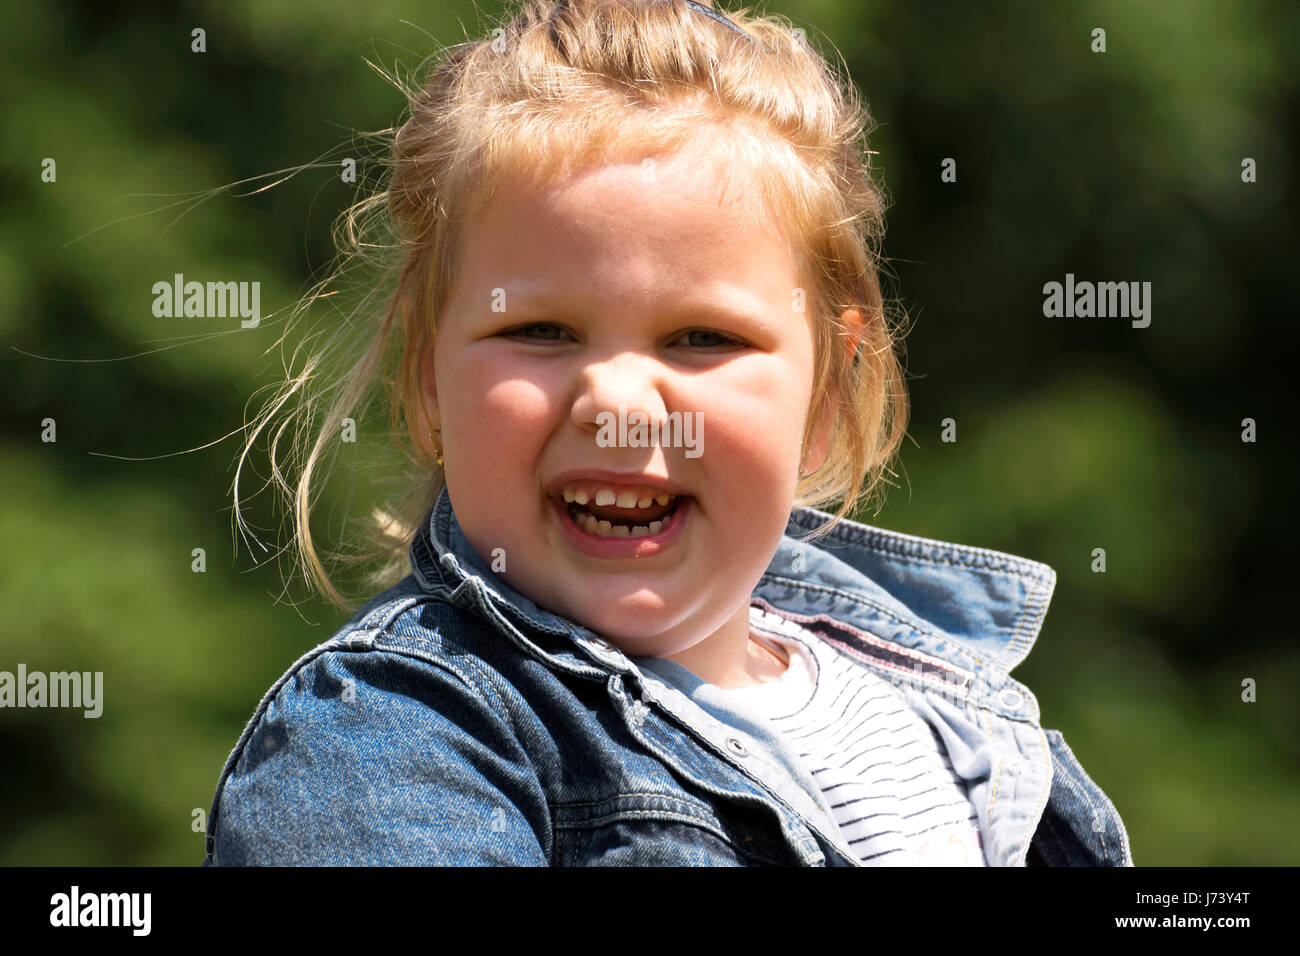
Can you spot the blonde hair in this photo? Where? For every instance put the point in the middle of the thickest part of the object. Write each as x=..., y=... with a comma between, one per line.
x=556, y=86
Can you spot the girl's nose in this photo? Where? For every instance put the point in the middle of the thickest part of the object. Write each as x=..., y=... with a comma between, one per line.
x=633, y=380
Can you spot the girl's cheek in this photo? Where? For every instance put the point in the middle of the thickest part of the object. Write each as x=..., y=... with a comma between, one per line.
x=516, y=409
x=502, y=401
x=760, y=427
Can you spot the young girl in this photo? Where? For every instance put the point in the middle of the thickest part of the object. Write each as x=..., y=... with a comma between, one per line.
x=641, y=336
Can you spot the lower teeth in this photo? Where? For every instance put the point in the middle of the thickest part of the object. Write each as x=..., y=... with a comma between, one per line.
x=593, y=525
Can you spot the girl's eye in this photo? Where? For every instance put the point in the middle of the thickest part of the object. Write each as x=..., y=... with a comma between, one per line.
x=717, y=338
x=552, y=332
x=524, y=331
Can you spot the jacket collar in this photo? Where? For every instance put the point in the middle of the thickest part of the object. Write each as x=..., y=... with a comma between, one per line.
x=988, y=602
x=978, y=609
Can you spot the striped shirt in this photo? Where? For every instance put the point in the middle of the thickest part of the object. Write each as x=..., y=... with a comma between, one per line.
x=882, y=768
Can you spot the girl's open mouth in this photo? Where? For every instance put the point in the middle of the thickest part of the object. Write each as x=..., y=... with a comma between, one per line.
x=611, y=532
x=610, y=521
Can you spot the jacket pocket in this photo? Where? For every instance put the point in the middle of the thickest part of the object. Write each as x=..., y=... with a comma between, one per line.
x=657, y=829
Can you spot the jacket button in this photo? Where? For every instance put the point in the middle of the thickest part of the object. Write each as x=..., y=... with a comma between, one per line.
x=737, y=747
x=606, y=649
x=1010, y=699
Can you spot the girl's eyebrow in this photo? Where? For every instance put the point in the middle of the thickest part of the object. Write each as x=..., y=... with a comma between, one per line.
x=706, y=309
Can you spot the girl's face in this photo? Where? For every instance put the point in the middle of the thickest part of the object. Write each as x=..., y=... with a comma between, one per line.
x=636, y=285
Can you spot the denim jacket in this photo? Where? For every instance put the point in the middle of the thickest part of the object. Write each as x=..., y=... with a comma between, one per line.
x=452, y=721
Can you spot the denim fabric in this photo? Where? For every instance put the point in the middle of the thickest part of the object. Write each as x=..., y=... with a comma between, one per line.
x=756, y=732
x=452, y=721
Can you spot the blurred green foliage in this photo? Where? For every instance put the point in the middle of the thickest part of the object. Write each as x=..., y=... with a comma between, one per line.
x=1072, y=434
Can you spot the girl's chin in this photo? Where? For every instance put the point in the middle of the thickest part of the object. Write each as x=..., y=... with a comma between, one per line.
x=627, y=616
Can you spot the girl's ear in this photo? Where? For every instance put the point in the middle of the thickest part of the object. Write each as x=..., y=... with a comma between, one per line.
x=852, y=318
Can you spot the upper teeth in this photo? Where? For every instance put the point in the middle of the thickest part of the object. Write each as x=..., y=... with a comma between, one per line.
x=641, y=498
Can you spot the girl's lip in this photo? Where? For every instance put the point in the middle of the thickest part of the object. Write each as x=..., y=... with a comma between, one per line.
x=598, y=546
x=617, y=479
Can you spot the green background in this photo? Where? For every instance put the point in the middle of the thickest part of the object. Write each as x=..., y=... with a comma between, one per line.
x=1073, y=434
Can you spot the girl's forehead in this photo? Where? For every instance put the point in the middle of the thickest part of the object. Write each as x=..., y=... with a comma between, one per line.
x=723, y=166
x=644, y=181
x=617, y=241
x=678, y=212
x=687, y=211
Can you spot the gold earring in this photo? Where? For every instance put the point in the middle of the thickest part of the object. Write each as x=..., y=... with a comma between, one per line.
x=435, y=443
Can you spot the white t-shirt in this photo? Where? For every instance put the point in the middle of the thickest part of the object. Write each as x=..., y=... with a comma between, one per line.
x=882, y=769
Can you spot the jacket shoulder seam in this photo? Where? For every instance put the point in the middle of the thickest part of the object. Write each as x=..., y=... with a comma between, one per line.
x=250, y=727
x=331, y=647
x=481, y=684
